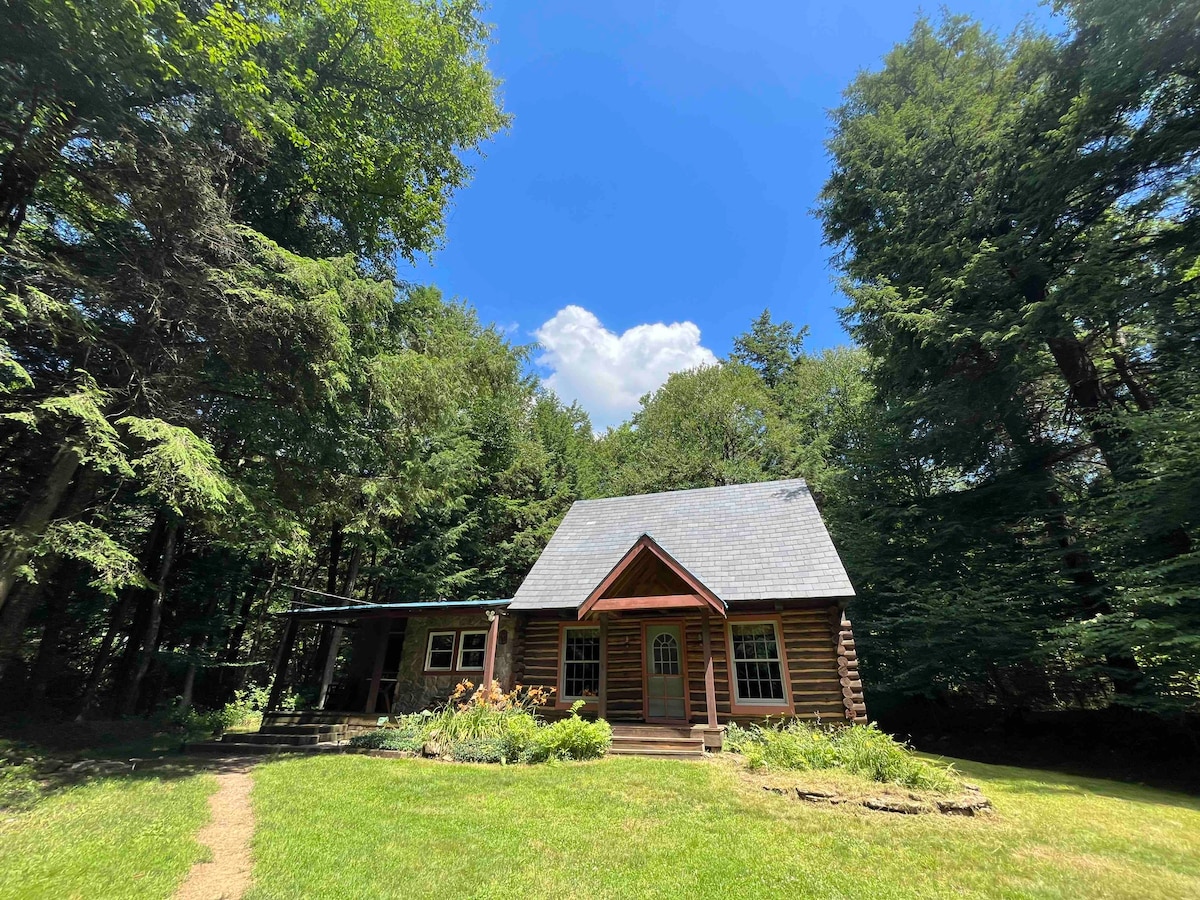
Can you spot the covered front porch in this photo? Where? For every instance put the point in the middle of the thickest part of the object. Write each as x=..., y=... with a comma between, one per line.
x=401, y=657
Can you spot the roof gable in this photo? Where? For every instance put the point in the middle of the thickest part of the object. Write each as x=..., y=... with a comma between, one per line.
x=648, y=572
x=763, y=541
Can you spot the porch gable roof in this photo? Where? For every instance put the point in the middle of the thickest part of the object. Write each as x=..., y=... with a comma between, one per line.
x=763, y=541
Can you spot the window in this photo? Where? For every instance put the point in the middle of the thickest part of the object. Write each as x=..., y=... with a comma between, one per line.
x=440, y=654
x=666, y=654
x=581, y=663
x=471, y=647
x=757, y=664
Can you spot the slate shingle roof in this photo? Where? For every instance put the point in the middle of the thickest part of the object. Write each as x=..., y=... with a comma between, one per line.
x=762, y=541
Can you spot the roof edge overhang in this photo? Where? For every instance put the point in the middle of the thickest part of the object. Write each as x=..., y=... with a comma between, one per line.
x=700, y=597
x=395, y=610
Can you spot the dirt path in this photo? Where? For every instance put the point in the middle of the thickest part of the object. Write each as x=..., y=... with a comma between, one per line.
x=227, y=836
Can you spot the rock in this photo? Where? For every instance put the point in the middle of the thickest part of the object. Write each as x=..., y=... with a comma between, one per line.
x=971, y=805
x=775, y=790
x=49, y=765
x=82, y=767
x=816, y=796
x=894, y=805
x=433, y=749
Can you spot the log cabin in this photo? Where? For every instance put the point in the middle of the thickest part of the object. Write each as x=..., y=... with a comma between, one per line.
x=667, y=614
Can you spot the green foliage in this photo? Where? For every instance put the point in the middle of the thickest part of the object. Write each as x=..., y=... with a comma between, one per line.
x=861, y=750
x=571, y=738
x=408, y=734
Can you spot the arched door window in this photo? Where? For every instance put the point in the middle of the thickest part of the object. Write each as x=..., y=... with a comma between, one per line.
x=666, y=654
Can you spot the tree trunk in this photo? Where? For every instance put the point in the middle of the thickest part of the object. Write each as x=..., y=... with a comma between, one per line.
x=46, y=661
x=149, y=641
x=198, y=642
x=329, y=662
x=1094, y=400
x=34, y=517
x=92, y=687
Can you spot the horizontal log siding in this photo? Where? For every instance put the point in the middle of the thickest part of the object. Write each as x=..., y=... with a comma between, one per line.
x=813, y=639
x=695, y=658
x=538, y=648
x=812, y=663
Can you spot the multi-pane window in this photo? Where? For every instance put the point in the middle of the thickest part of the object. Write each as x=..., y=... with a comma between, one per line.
x=666, y=654
x=757, y=663
x=471, y=649
x=440, y=653
x=581, y=663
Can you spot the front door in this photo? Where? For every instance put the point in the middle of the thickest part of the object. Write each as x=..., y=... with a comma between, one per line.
x=664, y=673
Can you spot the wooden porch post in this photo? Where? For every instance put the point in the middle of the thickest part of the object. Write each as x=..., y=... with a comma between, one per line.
x=602, y=699
x=385, y=631
x=489, y=653
x=710, y=682
x=285, y=656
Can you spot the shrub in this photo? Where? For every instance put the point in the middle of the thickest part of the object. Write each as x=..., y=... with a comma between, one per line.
x=389, y=739
x=487, y=750
x=570, y=738
x=862, y=750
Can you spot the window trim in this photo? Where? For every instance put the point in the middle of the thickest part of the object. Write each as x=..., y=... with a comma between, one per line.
x=432, y=633
x=561, y=701
x=737, y=705
x=458, y=657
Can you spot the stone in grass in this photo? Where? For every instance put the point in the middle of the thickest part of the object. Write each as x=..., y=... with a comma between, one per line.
x=894, y=805
x=815, y=796
x=970, y=805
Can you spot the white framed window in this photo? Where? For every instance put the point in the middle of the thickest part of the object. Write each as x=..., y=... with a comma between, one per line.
x=580, y=663
x=439, y=652
x=471, y=649
x=757, y=664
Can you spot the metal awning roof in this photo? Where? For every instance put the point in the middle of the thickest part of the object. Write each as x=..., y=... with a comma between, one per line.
x=379, y=610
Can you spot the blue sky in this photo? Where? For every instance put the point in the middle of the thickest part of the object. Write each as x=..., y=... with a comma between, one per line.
x=655, y=191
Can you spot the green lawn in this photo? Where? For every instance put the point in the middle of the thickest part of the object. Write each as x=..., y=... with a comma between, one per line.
x=355, y=827
x=118, y=837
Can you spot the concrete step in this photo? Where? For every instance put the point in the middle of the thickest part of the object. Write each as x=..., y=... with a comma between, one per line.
x=303, y=729
x=294, y=740
x=231, y=748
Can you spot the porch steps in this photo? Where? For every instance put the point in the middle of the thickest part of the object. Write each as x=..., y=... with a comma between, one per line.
x=664, y=741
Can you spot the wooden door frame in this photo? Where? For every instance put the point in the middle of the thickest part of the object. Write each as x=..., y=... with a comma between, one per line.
x=681, y=624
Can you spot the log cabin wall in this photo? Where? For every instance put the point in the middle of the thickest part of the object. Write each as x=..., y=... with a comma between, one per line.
x=822, y=668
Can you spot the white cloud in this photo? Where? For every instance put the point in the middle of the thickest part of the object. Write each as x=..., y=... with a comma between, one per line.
x=608, y=373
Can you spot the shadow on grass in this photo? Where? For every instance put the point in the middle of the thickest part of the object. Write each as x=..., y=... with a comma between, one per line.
x=147, y=751
x=1046, y=782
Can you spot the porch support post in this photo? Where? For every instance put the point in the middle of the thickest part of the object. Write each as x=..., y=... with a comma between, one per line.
x=489, y=652
x=385, y=631
x=602, y=699
x=285, y=656
x=710, y=681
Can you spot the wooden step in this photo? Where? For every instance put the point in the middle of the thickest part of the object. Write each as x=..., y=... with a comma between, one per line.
x=677, y=731
x=657, y=753
x=661, y=743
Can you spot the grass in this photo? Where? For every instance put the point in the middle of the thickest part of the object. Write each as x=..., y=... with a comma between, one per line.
x=355, y=827
x=117, y=837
